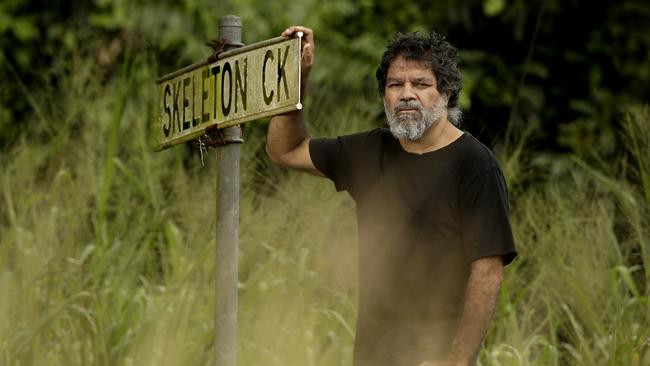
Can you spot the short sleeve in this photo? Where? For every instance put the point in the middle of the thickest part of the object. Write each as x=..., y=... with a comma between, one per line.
x=484, y=214
x=331, y=158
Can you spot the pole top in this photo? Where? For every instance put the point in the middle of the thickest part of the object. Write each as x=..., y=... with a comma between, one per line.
x=230, y=31
x=230, y=21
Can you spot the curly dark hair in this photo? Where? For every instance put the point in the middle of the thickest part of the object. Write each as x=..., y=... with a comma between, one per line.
x=431, y=48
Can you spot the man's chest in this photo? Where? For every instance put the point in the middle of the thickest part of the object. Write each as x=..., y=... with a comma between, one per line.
x=414, y=190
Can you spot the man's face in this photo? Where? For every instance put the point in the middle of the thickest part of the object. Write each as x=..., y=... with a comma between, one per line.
x=411, y=99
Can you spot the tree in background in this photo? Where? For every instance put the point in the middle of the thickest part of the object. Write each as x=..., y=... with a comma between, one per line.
x=563, y=70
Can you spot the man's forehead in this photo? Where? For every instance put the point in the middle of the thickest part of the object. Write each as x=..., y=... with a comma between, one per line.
x=401, y=64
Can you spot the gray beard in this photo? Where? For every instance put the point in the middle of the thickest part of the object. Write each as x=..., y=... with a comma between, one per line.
x=412, y=126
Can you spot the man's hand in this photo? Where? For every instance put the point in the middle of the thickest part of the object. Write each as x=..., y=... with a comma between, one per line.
x=287, y=140
x=307, y=47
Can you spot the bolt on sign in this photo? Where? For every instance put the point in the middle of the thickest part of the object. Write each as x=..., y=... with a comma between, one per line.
x=251, y=82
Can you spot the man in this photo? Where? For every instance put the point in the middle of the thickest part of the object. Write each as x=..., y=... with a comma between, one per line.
x=432, y=209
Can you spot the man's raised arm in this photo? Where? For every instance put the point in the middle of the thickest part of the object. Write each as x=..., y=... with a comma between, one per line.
x=287, y=140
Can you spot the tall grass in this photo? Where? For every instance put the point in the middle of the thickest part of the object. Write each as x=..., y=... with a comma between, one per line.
x=107, y=249
x=578, y=294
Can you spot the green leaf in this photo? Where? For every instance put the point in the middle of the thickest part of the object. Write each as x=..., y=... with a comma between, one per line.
x=493, y=8
x=24, y=29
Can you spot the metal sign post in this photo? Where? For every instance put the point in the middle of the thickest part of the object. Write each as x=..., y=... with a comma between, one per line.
x=208, y=100
x=225, y=330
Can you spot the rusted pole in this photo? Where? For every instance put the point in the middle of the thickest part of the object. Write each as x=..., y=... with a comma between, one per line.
x=225, y=334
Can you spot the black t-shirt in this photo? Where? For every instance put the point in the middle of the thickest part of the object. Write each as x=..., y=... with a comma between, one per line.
x=422, y=219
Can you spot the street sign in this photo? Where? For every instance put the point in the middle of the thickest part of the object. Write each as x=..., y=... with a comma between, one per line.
x=251, y=82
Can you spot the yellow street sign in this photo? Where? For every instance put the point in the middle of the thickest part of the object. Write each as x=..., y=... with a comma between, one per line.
x=251, y=82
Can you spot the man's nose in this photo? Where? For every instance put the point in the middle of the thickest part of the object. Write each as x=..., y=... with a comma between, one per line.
x=408, y=93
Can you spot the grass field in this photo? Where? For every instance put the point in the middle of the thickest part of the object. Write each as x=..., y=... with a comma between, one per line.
x=107, y=248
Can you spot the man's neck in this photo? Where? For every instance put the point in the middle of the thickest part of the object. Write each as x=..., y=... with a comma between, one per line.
x=441, y=134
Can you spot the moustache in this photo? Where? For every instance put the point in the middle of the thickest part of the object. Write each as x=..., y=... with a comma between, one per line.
x=411, y=104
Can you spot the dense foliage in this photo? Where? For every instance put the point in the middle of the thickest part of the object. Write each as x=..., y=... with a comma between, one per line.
x=564, y=70
x=106, y=248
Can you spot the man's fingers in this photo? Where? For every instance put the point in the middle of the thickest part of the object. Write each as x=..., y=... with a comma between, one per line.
x=308, y=33
x=296, y=28
x=307, y=37
x=307, y=46
x=291, y=30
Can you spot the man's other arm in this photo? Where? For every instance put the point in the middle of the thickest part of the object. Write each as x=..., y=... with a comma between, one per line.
x=287, y=139
x=480, y=300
